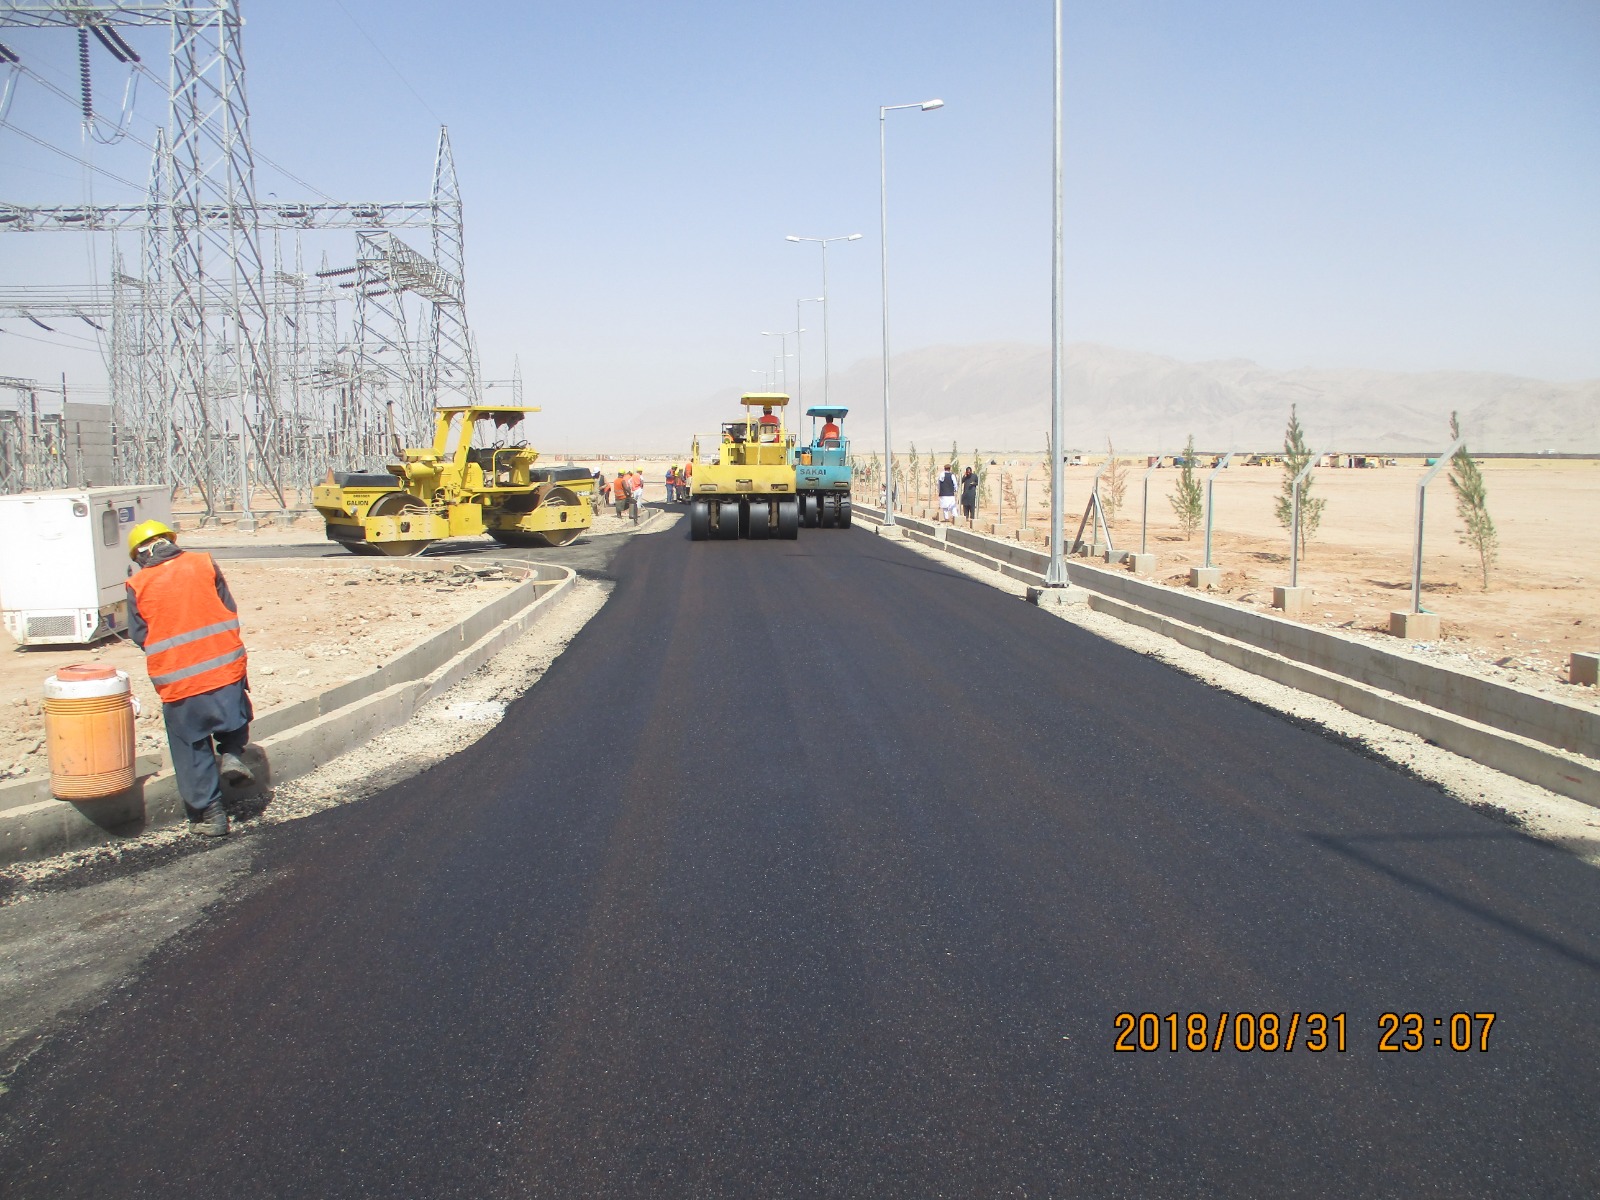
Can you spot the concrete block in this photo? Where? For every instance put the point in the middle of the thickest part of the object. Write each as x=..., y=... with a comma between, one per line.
x=1415, y=627
x=1116, y=557
x=247, y=523
x=1058, y=597
x=1584, y=669
x=1292, y=600
x=892, y=532
x=287, y=518
x=1205, y=577
x=1142, y=564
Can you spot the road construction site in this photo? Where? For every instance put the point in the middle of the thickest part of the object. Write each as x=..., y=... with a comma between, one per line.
x=584, y=955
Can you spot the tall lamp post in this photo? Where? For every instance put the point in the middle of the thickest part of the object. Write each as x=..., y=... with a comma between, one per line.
x=883, y=248
x=799, y=363
x=823, y=242
x=1055, y=575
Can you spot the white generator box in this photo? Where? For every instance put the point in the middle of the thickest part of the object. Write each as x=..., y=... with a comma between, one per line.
x=64, y=561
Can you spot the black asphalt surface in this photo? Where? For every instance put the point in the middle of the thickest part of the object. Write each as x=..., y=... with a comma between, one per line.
x=814, y=869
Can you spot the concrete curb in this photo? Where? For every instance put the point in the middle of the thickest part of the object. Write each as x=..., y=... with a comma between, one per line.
x=292, y=739
x=1525, y=735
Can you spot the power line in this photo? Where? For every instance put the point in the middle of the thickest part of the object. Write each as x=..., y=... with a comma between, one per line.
x=400, y=75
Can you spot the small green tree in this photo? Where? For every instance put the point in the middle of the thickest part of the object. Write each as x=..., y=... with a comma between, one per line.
x=1049, y=470
x=1113, y=484
x=1188, y=505
x=1296, y=454
x=916, y=473
x=1472, y=506
x=980, y=468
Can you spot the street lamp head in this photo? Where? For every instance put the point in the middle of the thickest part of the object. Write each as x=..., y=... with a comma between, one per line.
x=929, y=105
x=790, y=238
x=854, y=237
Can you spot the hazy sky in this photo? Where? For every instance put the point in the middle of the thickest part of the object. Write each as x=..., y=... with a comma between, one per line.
x=1397, y=184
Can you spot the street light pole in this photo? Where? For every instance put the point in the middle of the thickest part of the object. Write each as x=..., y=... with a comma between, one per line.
x=799, y=362
x=883, y=253
x=783, y=341
x=823, y=242
x=1055, y=575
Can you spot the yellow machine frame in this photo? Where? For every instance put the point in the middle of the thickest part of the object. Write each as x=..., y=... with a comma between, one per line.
x=456, y=489
x=748, y=489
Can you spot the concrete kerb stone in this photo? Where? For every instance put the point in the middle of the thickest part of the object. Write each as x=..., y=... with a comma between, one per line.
x=1524, y=737
x=1584, y=669
x=291, y=740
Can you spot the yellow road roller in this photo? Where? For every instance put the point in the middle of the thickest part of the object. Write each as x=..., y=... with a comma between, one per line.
x=748, y=487
x=455, y=488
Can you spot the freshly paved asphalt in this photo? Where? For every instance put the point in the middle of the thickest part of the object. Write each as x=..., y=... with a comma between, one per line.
x=813, y=869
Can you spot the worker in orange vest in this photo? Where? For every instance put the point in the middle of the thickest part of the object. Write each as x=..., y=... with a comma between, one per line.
x=181, y=614
x=830, y=434
x=768, y=425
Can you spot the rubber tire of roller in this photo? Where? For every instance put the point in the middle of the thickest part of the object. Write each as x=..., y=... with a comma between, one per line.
x=808, y=511
x=700, y=520
x=744, y=518
x=760, y=520
x=788, y=520
x=844, y=512
x=728, y=520
x=830, y=511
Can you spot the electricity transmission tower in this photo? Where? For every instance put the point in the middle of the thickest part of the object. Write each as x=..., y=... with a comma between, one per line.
x=225, y=374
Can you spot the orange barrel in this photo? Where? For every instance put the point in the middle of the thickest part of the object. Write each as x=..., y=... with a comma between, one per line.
x=88, y=730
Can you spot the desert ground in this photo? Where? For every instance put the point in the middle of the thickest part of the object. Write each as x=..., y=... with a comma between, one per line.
x=1541, y=603
x=308, y=625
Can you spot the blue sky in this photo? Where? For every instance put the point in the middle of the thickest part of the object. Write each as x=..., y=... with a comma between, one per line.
x=1411, y=185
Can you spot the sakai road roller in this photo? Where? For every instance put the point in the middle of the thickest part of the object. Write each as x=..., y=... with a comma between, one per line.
x=823, y=472
x=747, y=489
x=456, y=489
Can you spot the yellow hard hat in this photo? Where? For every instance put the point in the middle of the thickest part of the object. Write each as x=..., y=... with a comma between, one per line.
x=144, y=531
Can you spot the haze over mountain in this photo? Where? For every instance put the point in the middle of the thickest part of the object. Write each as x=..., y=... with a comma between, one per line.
x=997, y=395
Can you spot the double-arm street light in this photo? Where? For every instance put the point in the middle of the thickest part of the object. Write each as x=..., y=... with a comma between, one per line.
x=783, y=342
x=823, y=242
x=883, y=245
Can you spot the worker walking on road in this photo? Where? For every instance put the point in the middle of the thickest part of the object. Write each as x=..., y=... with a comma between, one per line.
x=619, y=493
x=635, y=492
x=181, y=614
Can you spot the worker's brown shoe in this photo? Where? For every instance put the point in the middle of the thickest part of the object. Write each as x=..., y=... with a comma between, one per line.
x=212, y=823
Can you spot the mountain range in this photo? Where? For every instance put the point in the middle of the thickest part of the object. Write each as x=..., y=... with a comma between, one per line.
x=997, y=395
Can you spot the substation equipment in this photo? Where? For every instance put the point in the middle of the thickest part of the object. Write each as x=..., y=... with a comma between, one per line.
x=237, y=371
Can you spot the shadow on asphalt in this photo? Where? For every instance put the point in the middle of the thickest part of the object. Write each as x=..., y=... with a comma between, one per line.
x=1349, y=848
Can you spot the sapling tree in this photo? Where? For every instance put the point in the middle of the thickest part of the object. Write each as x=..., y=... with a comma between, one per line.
x=1296, y=454
x=1113, y=484
x=916, y=473
x=1188, y=505
x=1478, y=533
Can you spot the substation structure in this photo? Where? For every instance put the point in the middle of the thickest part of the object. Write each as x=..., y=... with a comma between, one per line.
x=235, y=372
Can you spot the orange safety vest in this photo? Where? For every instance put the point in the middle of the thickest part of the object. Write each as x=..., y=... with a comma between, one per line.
x=193, y=644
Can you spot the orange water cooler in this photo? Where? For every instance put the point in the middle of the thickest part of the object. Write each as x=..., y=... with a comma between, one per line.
x=88, y=732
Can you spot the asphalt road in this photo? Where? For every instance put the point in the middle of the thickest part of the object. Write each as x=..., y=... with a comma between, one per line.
x=813, y=869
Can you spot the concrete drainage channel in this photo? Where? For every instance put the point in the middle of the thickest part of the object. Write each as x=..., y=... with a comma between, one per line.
x=1530, y=737
x=292, y=739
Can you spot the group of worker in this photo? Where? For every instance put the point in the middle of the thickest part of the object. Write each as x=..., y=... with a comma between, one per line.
x=679, y=480
x=625, y=492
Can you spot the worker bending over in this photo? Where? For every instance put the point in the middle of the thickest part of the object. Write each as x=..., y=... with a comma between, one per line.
x=181, y=614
